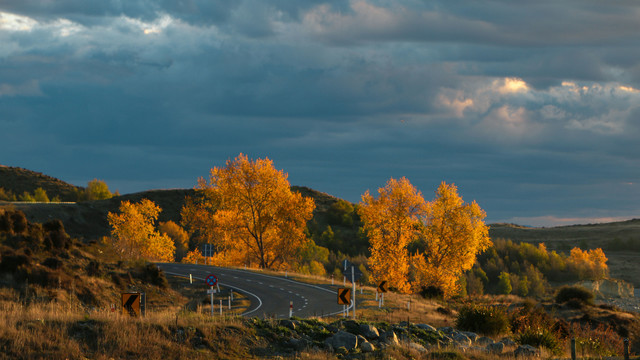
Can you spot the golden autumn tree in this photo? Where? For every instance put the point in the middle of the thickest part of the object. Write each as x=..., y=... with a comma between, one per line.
x=179, y=237
x=589, y=264
x=256, y=216
x=453, y=233
x=134, y=234
x=390, y=221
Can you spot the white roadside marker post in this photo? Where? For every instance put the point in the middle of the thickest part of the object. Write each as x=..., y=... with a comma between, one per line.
x=290, y=309
x=190, y=279
x=353, y=285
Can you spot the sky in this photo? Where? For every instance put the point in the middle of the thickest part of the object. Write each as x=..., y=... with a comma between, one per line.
x=530, y=107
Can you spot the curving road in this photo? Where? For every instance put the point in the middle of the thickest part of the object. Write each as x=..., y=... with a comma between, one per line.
x=269, y=295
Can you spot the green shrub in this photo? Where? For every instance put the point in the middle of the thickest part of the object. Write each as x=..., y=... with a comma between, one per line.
x=574, y=293
x=488, y=321
x=541, y=337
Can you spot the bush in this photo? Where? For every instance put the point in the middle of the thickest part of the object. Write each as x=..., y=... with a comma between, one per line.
x=489, y=321
x=574, y=293
x=542, y=337
x=431, y=292
x=155, y=276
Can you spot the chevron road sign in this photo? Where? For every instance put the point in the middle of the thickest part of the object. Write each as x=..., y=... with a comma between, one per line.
x=131, y=304
x=344, y=296
x=382, y=286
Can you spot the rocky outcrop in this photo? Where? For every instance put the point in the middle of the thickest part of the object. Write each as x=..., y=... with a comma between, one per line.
x=342, y=339
x=609, y=288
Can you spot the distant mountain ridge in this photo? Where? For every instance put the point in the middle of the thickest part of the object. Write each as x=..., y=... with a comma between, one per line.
x=88, y=219
x=18, y=180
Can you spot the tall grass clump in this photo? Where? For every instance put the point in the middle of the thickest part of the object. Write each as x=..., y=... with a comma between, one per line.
x=486, y=320
x=531, y=325
x=599, y=341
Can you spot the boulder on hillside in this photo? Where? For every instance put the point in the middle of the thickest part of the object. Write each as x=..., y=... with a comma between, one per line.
x=367, y=347
x=369, y=331
x=609, y=288
x=426, y=327
x=342, y=339
x=526, y=351
x=389, y=338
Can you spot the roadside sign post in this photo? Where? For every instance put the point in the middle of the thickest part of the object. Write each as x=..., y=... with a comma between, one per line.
x=212, y=281
x=382, y=288
x=211, y=291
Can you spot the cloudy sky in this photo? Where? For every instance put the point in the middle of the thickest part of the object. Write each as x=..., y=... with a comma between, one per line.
x=531, y=107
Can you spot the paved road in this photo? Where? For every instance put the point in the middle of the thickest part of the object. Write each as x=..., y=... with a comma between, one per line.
x=269, y=295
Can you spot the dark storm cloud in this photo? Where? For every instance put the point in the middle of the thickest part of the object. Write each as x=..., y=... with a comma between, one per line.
x=530, y=107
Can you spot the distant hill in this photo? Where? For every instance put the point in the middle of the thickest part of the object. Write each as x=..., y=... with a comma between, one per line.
x=87, y=220
x=18, y=180
x=594, y=235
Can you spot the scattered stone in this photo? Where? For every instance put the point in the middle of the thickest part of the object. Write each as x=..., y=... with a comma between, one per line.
x=495, y=348
x=291, y=324
x=447, y=330
x=461, y=339
x=369, y=331
x=389, y=338
x=299, y=344
x=483, y=341
x=417, y=347
x=446, y=340
x=361, y=339
x=367, y=347
x=342, y=339
x=526, y=350
x=507, y=341
x=426, y=327
x=471, y=335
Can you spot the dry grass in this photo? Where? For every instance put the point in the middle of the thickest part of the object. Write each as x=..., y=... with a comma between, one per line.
x=61, y=331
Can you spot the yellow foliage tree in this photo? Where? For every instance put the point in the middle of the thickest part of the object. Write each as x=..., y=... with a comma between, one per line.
x=453, y=233
x=134, y=234
x=591, y=264
x=193, y=257
x=256, y=216
x=179, y=237
x=390, y=221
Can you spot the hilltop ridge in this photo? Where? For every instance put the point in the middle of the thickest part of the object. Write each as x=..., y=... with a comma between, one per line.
x=18, y=180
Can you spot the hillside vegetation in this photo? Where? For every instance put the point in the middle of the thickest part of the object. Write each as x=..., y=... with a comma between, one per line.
x=58, y=279
x=17, y=181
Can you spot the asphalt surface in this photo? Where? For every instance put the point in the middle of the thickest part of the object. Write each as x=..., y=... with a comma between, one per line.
x=270, y=295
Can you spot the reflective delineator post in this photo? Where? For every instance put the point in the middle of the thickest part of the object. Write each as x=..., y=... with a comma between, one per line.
x=229, y=302
x=290, y=309
x=220, y=307
x=353, y=285
x=190, y=279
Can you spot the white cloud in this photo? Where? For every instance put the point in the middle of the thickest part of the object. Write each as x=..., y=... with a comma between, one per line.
x=13, y=22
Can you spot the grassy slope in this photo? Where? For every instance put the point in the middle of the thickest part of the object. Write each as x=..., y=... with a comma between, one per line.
x=19, y=180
